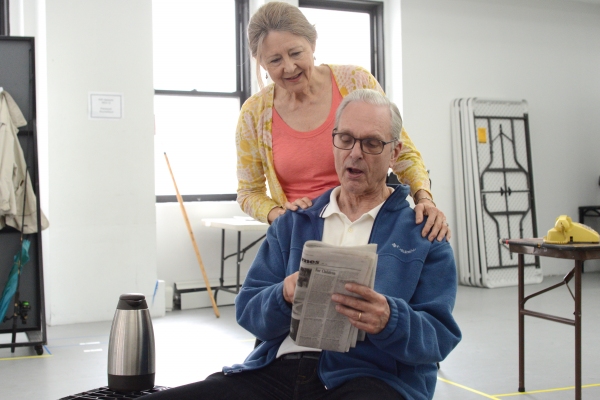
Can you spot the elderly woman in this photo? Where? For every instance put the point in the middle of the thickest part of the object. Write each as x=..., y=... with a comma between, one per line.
x=284, y=131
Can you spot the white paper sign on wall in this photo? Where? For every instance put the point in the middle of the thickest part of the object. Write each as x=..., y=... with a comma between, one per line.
x=106, y=105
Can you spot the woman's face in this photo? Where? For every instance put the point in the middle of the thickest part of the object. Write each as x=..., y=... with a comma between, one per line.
x=288, y=59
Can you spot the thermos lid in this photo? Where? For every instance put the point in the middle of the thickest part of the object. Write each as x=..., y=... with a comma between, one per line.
x=132, y=301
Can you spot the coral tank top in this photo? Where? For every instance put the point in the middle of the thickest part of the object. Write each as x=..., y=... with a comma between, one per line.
x=304, y=160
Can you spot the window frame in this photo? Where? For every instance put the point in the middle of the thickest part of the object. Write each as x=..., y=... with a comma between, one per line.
x=375, y=11
x=4, y=18
x=243, y=72
x=243, y=92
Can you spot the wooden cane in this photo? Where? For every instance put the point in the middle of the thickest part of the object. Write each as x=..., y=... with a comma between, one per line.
x=189, y=227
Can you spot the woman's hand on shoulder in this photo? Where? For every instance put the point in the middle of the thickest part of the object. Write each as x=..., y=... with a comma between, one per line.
x=303, y=203
x=436, y=225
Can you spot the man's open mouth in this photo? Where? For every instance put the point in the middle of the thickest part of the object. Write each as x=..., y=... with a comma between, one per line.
x=354, y=171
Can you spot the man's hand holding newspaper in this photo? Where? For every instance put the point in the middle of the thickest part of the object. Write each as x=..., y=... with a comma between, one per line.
x=325, y=270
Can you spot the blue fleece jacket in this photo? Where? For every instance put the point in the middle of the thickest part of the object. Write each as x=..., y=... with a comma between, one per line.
x=417, y=277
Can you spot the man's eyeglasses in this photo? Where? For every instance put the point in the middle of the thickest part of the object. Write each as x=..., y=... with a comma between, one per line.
x=345, y=141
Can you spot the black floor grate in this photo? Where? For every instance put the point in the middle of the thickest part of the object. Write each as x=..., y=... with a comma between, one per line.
x=104, y=393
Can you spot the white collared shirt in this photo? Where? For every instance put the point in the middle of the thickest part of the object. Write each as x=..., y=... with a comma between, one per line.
x=339, y=230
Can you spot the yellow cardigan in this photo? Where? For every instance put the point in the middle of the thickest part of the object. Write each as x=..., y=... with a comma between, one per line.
x=255, y=152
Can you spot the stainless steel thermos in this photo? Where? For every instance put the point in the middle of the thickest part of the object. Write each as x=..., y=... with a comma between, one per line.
x=131, y=346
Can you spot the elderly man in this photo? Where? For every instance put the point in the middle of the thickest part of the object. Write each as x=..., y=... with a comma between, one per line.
x=407, y=317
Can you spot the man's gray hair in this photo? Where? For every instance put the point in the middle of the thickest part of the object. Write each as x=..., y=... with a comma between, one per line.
x=375, y=98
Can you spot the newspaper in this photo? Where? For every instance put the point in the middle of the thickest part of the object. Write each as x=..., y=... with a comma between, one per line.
x=324, y=270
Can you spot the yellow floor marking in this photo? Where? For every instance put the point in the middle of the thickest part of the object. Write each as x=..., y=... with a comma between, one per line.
x=20, y=358
x=546, y=390
x=468, y=389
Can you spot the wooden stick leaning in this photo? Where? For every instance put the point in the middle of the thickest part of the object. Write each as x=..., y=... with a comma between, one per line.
x=189, y=227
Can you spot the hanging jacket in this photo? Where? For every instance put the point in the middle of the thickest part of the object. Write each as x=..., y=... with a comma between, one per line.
x=13, y=172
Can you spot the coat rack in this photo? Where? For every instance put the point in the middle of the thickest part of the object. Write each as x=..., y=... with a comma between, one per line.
x=17, y=77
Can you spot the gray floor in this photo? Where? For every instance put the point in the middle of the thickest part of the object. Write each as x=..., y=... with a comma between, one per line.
x=192, y=344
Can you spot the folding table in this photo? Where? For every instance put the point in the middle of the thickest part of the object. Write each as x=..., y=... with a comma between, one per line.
x=493, y=180
x=238, y=224
x=575, y=251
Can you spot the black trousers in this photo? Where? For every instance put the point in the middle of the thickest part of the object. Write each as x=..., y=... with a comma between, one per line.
x=284, y=379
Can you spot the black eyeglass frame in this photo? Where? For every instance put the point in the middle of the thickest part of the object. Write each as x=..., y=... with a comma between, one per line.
x=335, y=132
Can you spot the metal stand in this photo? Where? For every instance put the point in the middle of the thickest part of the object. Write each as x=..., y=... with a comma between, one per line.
x=17, y=76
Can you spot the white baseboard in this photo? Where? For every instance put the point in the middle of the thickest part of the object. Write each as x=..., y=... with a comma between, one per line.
x=202, y=300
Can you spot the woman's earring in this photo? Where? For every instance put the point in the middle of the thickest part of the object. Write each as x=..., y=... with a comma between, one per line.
x=266, y=76
x=314, y=58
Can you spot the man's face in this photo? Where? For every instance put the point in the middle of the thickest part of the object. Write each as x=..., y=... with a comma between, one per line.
x=362, y=174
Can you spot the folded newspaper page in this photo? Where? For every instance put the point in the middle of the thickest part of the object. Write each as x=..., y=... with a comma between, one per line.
x=324, y=270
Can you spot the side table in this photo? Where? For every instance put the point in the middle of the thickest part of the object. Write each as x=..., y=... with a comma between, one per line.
x=590, y=212
x=239, y=225
x=576, y=251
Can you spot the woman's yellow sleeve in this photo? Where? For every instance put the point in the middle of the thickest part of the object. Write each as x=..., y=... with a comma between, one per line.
x=252, y=189
x=410, y=168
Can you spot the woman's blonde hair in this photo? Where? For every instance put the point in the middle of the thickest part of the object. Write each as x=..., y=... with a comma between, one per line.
x=277, y=16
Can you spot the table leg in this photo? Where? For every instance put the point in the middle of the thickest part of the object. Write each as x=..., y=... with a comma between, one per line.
x=221, y=280
x=582, y=212
x=578, y=268
x=521, y=280
x=239, y=262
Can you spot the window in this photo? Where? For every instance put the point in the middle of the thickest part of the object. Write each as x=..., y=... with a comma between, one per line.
x=350, y=32
x=201, y=78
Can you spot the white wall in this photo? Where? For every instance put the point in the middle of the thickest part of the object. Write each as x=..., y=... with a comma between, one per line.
x=97, y=176
x=544, y=51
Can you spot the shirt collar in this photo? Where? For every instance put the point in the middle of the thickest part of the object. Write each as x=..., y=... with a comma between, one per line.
x=333, y=207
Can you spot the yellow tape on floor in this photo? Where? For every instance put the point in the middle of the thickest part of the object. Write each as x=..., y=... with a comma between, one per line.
x=21, y=358
x=546, y=390
x=499, y=396
x=468, y=388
